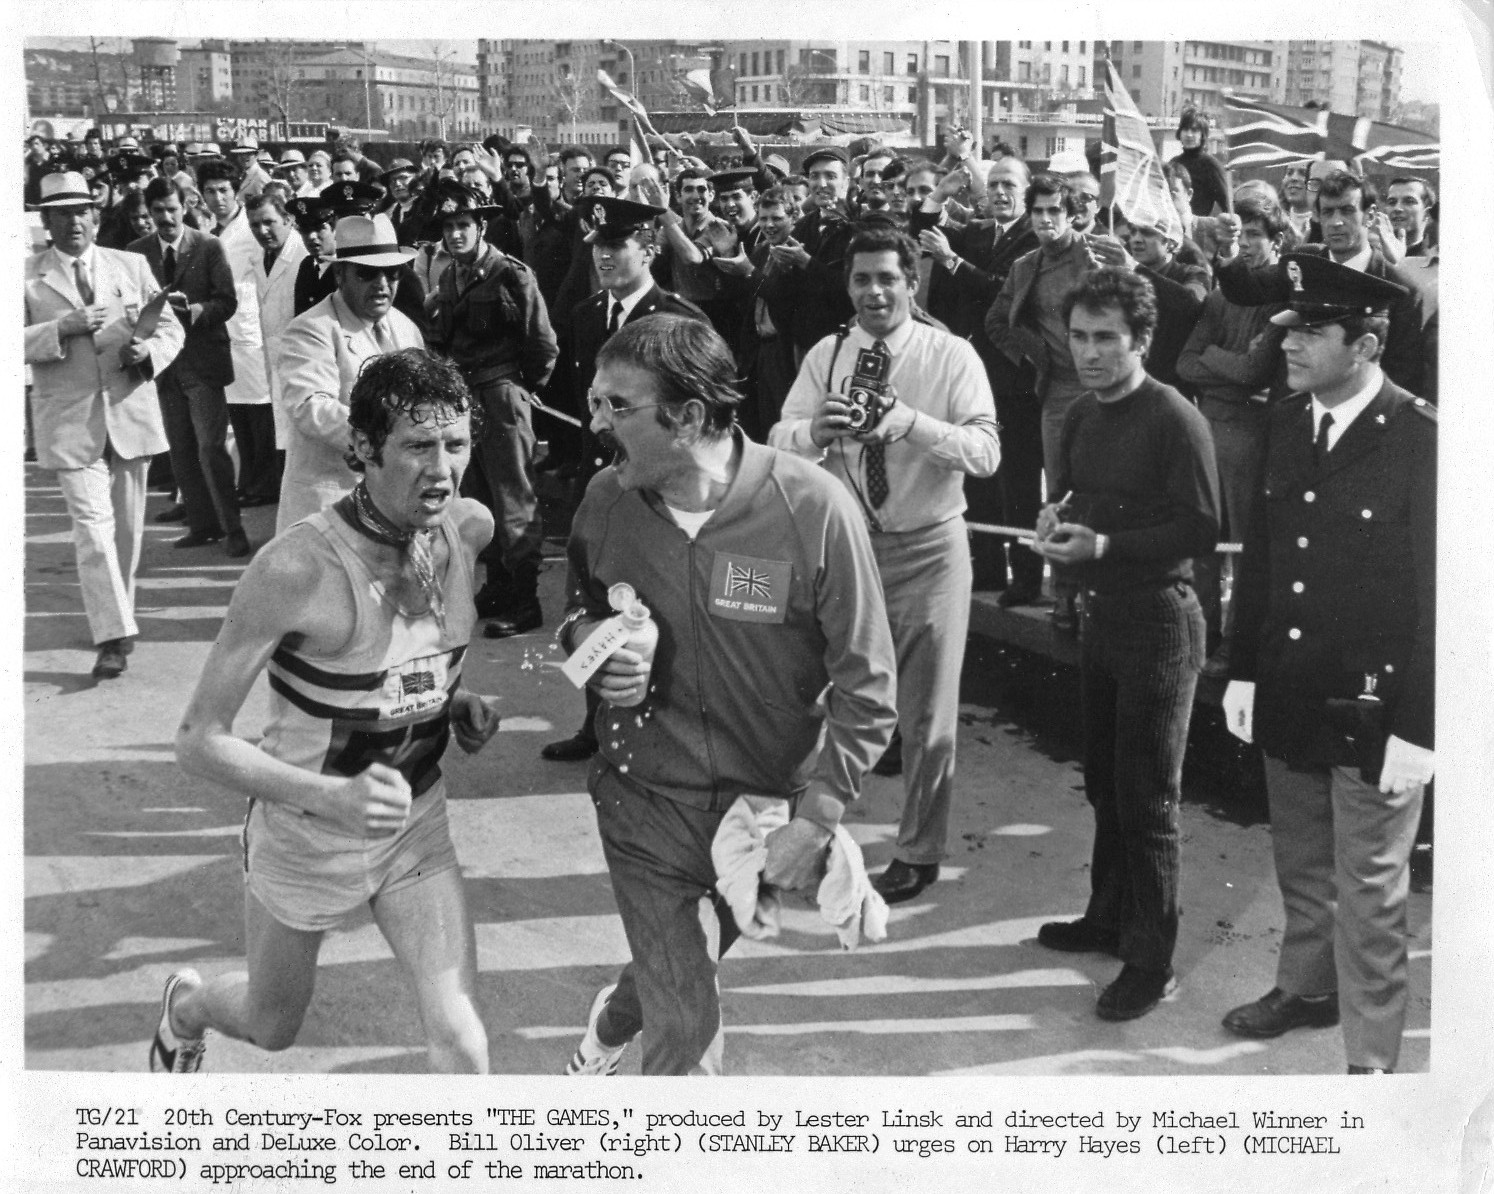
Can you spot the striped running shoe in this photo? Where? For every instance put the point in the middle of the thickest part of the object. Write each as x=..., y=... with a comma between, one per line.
x=169, y=1052
x=594, y=1059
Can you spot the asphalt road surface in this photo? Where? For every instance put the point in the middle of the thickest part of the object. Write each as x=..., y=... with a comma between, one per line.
x=132, y=870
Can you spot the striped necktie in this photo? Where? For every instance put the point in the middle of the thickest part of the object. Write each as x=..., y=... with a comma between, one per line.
x=875, y=457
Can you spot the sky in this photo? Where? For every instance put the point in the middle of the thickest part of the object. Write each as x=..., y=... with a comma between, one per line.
x=1420, y=75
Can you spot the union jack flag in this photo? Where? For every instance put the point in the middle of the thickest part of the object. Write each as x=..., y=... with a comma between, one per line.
x=1131, y=175
x=414, y=683
x=747, y=580
x=1262, y=134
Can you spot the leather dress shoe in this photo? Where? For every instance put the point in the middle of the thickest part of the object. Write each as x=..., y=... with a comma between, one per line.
x=902, y=881
x=520, y=620
x=1065, y=619
x=1135, y=992
x=176, y=513
x=1015, y=595
x=237, y=545
x=570, y=750
x=111, y=662
x=1079, y=937
x=1368, y=1069
x=198, y=539
x=1276, y=1012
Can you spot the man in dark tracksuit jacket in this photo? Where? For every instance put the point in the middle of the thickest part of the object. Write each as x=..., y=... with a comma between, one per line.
x=758, y=570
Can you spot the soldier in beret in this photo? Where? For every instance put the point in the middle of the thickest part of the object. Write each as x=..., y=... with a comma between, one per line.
x=1332, y=672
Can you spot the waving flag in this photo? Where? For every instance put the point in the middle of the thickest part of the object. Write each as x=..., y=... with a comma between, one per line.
x=1263, y=134
x=638, y=123
x=697, y=85
x=1130, y=172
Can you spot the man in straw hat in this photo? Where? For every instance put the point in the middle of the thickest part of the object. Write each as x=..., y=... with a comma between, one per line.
x=321, y=354
x=97, y=420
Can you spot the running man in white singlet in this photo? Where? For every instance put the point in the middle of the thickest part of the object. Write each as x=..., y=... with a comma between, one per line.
x=361, y=614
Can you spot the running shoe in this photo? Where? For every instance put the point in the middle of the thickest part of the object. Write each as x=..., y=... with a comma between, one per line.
x=169, y=1052
x=594, y=1059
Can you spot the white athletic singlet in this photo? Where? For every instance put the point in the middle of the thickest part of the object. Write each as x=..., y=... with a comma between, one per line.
x=385, y=698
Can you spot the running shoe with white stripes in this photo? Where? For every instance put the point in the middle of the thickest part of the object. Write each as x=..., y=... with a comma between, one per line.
x=169, y=1052
x=594, y=1059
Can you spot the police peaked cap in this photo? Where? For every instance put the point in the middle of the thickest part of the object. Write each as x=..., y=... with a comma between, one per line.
x=1323, y=292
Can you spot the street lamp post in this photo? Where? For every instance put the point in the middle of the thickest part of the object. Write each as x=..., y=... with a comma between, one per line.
x=367, y=98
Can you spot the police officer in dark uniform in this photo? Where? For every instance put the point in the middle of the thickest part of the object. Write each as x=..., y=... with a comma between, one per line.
x=1334, y=672
x=488, y=316
x=624, y=240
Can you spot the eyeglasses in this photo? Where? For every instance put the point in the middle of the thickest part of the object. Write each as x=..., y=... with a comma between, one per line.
x=1081, y=197
x=597, y=401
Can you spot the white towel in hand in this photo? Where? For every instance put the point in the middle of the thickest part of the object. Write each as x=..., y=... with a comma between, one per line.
x=845, y=896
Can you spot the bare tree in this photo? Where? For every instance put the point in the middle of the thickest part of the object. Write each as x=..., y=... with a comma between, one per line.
x=570, y=97
x=282, y=82
x=122, y=60
x=446, y=94
x=806, y=88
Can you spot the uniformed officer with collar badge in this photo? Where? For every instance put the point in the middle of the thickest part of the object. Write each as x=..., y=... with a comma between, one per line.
x=1334, y=672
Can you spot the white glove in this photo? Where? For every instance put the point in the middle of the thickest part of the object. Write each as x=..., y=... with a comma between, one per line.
x=1239, y=709
x=1406, y=766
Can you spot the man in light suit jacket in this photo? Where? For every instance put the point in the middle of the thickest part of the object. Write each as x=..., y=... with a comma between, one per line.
x=275, y=287
x=321, y=352
x=96, y=417
x=194, y=270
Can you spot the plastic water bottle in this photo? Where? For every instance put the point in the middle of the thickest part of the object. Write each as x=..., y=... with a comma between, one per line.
x=643, y=637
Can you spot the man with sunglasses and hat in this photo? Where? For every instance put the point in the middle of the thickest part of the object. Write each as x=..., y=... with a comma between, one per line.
x=321, y=353
x=97, y=420
x=336, y=200
x=488, y=316
x=624, y=240
x=1332, y=671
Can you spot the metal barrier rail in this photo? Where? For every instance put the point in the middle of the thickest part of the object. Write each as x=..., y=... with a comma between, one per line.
x=1025, y=534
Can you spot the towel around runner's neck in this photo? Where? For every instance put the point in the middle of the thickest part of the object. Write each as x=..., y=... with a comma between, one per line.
x=417, y=547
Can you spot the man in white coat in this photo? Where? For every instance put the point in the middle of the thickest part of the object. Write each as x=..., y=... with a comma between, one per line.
x=96, y=416
x=281, y=254
x=321, y=352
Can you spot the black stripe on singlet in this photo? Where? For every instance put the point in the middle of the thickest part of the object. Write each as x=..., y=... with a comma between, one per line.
x=315, y=708
x=414, y=750
x=343, y=681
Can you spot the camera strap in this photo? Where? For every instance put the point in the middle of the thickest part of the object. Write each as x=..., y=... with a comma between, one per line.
x=866, y=507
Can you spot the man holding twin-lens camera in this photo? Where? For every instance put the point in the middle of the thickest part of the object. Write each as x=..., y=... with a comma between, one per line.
x=900, y=411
